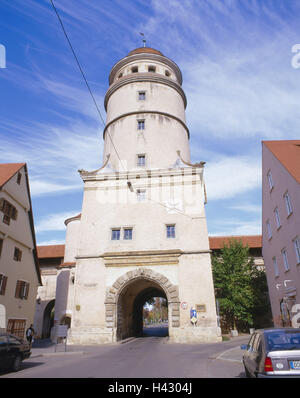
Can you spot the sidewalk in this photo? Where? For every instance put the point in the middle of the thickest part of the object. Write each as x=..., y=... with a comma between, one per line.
x=47, y=348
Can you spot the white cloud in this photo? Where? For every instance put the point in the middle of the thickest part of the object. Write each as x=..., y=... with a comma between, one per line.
x=54, y=222
x=231, y=176
x=51, y=242
x=248, y=208
x=237, y=228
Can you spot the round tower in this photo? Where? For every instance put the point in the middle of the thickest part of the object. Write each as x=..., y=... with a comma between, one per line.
x=145, y=106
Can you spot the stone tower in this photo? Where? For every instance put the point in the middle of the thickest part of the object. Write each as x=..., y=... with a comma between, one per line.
x=142, y=232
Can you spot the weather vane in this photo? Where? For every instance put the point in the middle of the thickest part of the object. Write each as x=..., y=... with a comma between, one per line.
x=144, y=40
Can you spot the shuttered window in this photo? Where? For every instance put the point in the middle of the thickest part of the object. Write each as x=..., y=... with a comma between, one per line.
x=3, y=281
x=17, y=254
x=16, y=327
x=10, y=211
x=22, y=289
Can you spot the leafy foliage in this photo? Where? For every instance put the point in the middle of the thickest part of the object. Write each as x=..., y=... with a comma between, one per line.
x=240, y=286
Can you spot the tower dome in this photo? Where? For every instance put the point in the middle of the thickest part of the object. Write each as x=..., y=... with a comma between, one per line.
x=143, y=50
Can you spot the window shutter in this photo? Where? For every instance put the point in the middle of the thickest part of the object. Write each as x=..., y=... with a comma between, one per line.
x=2, y=204
x=26, y=290
x=3, y=284
x=18, y=289
x=14, y=213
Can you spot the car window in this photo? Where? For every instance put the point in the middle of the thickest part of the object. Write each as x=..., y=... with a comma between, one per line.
x=284, y=340
x=250, y=344
x=3, y=340
x=256, y=342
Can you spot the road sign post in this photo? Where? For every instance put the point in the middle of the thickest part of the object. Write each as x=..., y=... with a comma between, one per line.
x=61, y=332
x=193, y=315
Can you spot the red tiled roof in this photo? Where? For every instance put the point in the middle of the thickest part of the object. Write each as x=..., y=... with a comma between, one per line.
x=143, y=50
x=67, y=265
x=288, y=154
x=8, y=170
x=51, y=251
x=252, y=241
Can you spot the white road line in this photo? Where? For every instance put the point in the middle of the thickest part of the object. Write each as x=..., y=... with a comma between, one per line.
x=229, y=359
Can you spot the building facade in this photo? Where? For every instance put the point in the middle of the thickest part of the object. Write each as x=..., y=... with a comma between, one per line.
x=142, y=231
x=281, y=226
x=51, y=260
x=19, y=269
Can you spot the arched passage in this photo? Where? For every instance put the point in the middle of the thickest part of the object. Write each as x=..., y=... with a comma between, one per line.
x=48, y=319
x=125, y=299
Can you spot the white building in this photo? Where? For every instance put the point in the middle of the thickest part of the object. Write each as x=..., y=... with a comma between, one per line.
x=19, y=269
x=142, y=231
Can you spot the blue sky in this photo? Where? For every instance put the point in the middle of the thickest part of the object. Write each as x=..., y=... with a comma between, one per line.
x=241, y=88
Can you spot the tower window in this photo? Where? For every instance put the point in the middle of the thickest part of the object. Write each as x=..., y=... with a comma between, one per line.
x=170, y=229
x=115, y=234
x=142, y=95
x=167, y=73
x=141, y=160
x=120, y=75
x=141, y=124
x=141, y=195
x=127, y=233
x=134, y=69
x=151, y=69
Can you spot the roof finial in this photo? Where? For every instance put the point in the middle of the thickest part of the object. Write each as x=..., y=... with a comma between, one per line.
x=144, y=40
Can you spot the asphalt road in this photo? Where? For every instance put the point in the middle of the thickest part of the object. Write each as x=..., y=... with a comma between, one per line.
x=148, y=357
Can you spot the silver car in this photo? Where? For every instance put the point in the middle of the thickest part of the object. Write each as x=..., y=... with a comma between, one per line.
x=273, y=353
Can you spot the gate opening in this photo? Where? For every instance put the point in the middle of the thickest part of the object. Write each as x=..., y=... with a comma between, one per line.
x=131, y=309
x=155, y=317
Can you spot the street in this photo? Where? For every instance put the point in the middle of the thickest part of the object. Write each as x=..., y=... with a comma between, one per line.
x=147, y=357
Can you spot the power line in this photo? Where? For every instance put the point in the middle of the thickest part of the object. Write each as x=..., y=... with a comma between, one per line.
x=97, y=108
x=83, y=75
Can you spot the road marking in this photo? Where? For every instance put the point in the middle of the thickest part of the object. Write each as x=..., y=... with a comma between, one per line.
x=229, y=359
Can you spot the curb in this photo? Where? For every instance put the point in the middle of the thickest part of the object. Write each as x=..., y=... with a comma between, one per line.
x=53, y=354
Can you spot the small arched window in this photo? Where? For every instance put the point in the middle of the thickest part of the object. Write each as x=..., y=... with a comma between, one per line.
x=120, y=75
x=152, y=69
x=167, y=73
x=134, y=69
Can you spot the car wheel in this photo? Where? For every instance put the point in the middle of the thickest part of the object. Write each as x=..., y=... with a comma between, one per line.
x=248, y=375
x=17, y=363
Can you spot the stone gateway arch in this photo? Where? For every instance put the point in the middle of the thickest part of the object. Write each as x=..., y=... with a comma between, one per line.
x=144, y=284
x=142, y=231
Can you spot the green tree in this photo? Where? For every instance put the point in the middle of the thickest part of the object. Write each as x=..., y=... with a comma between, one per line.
x=239, y=285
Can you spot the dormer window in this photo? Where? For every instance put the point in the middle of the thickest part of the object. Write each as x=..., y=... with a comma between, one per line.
x=134, y=69
x=152, y=69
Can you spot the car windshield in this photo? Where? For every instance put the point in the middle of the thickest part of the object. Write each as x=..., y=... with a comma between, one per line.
x=283, y=340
